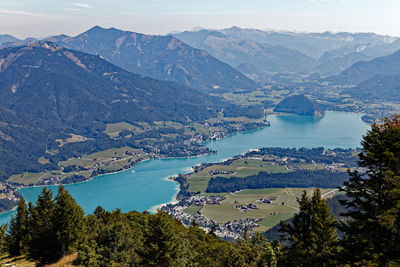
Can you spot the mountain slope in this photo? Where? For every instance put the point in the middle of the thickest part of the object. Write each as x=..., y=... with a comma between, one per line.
x=247, y=55
x=365, y=70
x=316, y=44
x=378, y=88
x=23, y=139
x=299, y=104
x=6, y=38
x=76, y=88
x=160, y=57
x=328, y=53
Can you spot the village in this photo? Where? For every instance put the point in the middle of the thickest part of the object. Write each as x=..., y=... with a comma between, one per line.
x=228, y=231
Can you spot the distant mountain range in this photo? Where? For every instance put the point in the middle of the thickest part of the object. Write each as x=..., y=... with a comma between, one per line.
x=6, y=38
x=249, y=56
x=325, y=53
x=314, y=44
x=159, y=57
x=256, y=53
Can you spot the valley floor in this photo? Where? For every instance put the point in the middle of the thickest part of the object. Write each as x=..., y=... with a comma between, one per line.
x=230, y=213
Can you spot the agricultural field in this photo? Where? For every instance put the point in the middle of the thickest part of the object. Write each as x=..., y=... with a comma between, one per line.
x=249, y=203
x=108, y=160
x=113, y=129
x=74, y=138
x=198, y=181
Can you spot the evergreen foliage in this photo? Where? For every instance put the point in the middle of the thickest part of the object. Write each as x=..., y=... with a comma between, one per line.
x=43, y=242
x=68, y=222
x=299, y=104
x=56, y=227
x=311, y=234
x=372, y=230
x=19, y=230
x=297, y=178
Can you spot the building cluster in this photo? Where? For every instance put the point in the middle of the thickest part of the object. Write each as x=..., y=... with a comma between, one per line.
x=221, y=172
x=230, y=230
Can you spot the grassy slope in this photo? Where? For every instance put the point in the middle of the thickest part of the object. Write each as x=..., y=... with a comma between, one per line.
x=199, y=181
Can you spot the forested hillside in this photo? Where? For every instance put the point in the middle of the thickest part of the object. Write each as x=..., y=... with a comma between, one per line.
x=49, y=93
x=299, y=104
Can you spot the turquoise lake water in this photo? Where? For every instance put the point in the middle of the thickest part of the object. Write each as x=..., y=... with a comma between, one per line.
x=145, y=186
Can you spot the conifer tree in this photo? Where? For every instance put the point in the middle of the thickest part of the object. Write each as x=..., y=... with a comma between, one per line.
x=4, y=239
x=371, y=233
x=68, y=222
x=18, y=232
x=311, y=233
x=43, y=245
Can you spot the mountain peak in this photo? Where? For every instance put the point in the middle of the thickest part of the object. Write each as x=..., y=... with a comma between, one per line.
x=101, y=30
x=95, y=29
x=44, y=44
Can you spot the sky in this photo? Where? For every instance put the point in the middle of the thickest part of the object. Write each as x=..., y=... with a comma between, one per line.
x=42, y=18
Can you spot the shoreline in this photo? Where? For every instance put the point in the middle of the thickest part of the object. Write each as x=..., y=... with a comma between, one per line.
x=173, y=200
x=168, y=158
x=81, y=182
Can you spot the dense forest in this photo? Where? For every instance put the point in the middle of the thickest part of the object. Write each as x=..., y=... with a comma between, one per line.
x=298, y=178
x=299, y=104
x=56, y=227
x=367, y=233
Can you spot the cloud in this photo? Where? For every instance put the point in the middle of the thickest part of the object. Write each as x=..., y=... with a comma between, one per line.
x=82, y=5
x=22, y=13
x=72, y=9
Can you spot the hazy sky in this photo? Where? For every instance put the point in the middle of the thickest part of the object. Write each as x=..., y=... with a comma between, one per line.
x=39, y=18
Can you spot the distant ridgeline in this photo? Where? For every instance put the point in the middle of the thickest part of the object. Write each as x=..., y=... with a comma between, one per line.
x=299, y=104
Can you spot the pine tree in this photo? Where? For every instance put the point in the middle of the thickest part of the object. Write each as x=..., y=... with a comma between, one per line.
x=311, y=233
x=372, y=229
x=4, y=239
x=43, y=245
x=18, y=232
x=68, y=222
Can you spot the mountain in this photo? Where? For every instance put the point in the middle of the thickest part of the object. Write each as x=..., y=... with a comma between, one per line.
x=23, y=140
x=299, y=104
x=59, y=84
x=337, y=60
x=159, y=57
x=378, y=88
x=6, y=38
x=316, y=44
x=278, y=51
x=365, y=70
x=248, y=56
x=49, y=92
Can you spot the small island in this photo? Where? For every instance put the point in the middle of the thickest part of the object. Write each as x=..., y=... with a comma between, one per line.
x=300, y=105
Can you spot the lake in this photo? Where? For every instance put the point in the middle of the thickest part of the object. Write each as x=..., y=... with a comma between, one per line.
x=145, y=186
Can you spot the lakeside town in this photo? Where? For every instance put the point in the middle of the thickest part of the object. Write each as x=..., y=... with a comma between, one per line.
x=228, y=231
x=76, y=170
